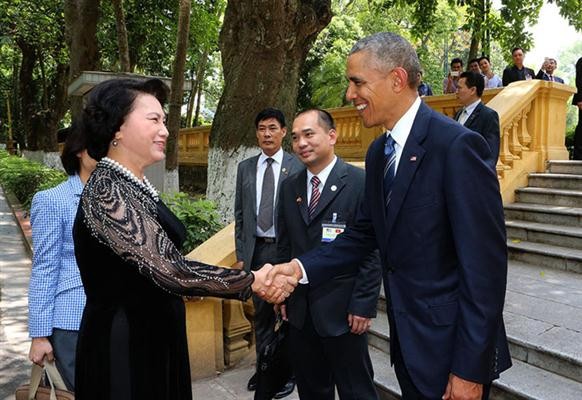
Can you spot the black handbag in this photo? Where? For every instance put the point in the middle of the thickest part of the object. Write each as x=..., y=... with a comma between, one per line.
x=273, y=365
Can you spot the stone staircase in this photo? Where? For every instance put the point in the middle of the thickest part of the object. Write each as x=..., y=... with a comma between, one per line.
x=543, y=306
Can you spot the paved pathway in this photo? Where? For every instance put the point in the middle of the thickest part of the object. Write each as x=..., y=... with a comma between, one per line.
x=14, y=275
x=14, y=342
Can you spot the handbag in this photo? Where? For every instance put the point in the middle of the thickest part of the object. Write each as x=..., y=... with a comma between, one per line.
x=35, y=391
x=273, y=365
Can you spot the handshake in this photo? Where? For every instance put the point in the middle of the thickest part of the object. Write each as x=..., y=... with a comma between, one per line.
x=274, y=283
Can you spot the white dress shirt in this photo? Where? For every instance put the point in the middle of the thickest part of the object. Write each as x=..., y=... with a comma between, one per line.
x=261, y=167
x=468, y=110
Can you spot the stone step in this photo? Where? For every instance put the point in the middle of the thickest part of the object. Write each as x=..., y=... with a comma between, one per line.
x=564, y=236
x=565, y=167
x=556, y=181
x=554, y=197
x=545, y=255
x=521, y=382
x=543, y=213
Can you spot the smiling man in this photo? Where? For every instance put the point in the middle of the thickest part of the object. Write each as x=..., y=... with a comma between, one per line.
x=432, y=207
x=257, y=186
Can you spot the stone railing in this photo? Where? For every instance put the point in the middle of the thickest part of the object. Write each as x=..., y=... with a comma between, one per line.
x=532, y=121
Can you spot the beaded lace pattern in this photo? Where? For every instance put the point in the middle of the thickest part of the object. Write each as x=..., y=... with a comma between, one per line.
x=121, y=213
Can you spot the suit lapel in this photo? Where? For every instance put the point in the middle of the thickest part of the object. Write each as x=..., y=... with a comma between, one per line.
x=474, y=115
x=301, y=194
x=334, y=180
x=283, y=174
x=252, y=175
x=410, y=160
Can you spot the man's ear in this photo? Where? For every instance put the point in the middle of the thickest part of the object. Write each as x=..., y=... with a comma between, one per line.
x=400, y=79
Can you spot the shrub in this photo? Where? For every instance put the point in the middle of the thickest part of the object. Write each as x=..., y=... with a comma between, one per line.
x=24, y=178
x=198, y=216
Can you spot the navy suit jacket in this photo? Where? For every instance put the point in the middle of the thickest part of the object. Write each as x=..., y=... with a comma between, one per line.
x=545, y=77
x=578, y=95
x=355, y=292
x=485, y=121
x=443, y=249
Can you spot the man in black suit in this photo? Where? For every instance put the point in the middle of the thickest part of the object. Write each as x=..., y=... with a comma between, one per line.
x=577, y=101
x=477, y=116
x=432, y=207
x=258, y=181
x=327, y=334
x=517, y=72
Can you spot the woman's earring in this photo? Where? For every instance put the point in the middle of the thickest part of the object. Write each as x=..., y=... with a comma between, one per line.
x=114, y=143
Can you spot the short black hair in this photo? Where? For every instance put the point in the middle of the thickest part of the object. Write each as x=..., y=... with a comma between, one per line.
x=472, y=60
x=456, y=60
x=474, y=79
x=74, y=144
x=324, y=118
x=485, y=58
x=515, y=49
x=108, y=104
x=268, y=113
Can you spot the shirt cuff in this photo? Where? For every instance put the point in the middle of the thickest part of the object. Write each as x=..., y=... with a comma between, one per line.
x=304, y=279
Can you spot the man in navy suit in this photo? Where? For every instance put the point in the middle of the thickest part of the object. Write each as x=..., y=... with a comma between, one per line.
x=546, y=73
x=477, y=116
x=433, y=208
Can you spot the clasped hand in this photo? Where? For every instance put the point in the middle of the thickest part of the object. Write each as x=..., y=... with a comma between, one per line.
x=274, y=283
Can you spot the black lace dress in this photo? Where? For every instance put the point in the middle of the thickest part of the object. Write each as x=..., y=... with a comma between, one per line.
x=132, y=339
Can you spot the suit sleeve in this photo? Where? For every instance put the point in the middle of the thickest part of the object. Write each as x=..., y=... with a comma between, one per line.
x=492, y=134
x=238, y=216
x=477, y=223
x=540, y=75
x=283, y=242
x=45, y=220
x=364, y=299
x=506, y=78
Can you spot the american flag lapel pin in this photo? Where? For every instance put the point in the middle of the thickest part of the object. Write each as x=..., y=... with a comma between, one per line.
x=412, y=158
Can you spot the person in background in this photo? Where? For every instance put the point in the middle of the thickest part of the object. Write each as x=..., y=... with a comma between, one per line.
x=517, y=72
x=255, y=217
x=477, y=116
x=424, y=88
x=55, y=296
x=493, y=80
x=547, y=70
x=473, y=65
x=132, y=340
x=450, y=82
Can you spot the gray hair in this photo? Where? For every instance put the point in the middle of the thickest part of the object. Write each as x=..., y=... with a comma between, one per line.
x=389, y=50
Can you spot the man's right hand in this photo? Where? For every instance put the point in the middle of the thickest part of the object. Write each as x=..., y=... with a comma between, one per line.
x=39, y=349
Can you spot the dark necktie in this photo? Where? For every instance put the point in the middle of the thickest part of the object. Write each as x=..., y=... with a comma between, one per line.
x=265, y=217
x=389, y=167
x=315, y=195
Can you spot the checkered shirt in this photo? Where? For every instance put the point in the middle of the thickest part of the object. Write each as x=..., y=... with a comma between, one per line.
x=56, y=297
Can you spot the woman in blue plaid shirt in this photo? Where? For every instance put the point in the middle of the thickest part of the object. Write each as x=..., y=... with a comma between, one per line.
x=56, y=298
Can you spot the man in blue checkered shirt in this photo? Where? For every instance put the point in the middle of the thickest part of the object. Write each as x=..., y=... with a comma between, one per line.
x=56, y=297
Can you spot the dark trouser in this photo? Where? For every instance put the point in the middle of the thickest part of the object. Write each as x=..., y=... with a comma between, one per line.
x=578, y=138
x=264, y=313
x=409, y=390
x=320, y=362
x=64, y=344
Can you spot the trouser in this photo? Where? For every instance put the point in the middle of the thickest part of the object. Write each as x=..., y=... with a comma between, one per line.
x=578, y=138
x=64, y=344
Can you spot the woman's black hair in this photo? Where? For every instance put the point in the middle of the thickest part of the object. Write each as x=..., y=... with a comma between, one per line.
x=107, y=106
x=74, y=143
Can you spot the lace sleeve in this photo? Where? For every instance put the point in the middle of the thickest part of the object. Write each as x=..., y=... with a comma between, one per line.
x=123, y=218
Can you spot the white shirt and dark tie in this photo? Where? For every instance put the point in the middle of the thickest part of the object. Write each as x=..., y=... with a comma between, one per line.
x=265, y=212
x=467, y=111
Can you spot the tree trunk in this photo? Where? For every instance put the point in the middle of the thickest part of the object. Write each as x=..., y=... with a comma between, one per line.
x=81, y=18
x=177, y=93
x=122, y=42
x=198, y=102
x=27, y=89
x=263, y=46
x=190, y=107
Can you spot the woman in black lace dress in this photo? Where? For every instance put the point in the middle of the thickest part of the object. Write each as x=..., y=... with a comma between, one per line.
x=132, y=339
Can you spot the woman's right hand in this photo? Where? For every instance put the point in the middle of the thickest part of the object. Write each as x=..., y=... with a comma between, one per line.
x=39, y=349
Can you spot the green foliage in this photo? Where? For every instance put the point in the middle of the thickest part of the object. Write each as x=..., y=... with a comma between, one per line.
x=198, y=216
x=24, y=178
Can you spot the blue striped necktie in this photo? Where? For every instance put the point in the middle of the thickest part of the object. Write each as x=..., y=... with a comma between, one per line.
x=389, y=167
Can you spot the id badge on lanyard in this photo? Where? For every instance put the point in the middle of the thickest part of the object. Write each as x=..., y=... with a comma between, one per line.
x=330, y=230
